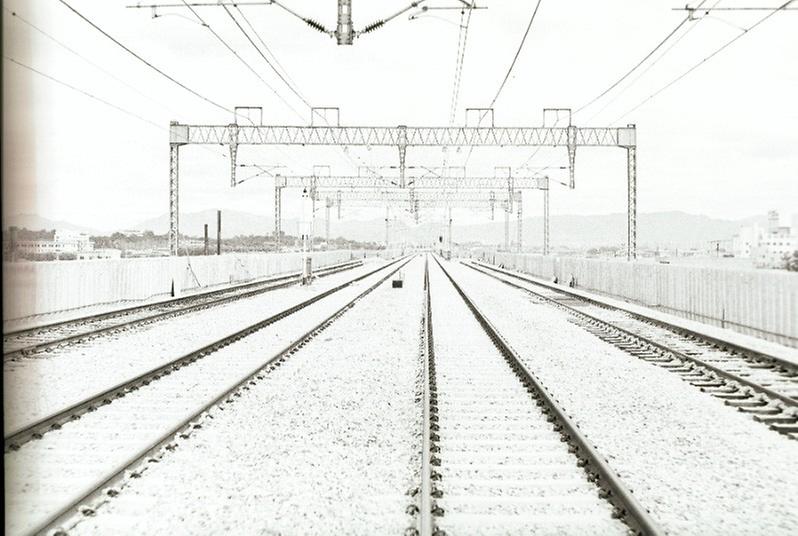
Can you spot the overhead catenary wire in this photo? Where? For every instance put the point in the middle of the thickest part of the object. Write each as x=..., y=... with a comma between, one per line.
x=717, y=51
x=144, y=61
x=238, y=56
x=85, y=93
x=639, y=63
x=268, y=62
x=263, y=43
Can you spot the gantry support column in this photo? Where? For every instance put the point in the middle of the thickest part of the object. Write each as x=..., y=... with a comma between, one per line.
x=278, y=217
x=174, y=173
x=520, y=216
x=507, y=227
x=450, y=232
x=387, y=223
x=546, y=219
x=571, y=156
x=327, y=207
x=233, y=153
x=631, y=170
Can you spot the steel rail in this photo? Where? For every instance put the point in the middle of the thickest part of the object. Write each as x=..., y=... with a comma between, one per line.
x=425, y=522
x=54, y=421
x=719, y=343
x=228, y=295
x=787, y=400
x=154, y=452
x=613, y=490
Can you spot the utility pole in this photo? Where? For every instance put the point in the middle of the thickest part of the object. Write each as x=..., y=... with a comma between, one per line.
x=306, y=223
x=327, y=207
x=520, y=217
x=546, y=220
x=218, y=232
x=507, y=227
x=450, y=232
x=206, y=240
x=387, y=219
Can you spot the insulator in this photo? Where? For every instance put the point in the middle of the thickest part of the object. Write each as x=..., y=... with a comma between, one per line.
x=373, y=26
x=317, y=25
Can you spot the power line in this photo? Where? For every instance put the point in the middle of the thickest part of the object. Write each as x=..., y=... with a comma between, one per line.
x=517, y=53
x=86, y=93
x=638, y=64
x=262, y=42
x=707, y=58
x=262, y=55
x=461, y=50
x=238, y=56
x=145, y=62
x=17, y=16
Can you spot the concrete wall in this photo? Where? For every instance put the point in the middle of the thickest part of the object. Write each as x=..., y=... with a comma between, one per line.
x=40, y=287
x=760, y=303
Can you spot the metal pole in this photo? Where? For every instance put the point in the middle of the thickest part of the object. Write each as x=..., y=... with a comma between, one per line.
x=218, y=232
x=450, y=231
x=520, y=216
x=174, y=158
x=546, y=220
x=387, y=220
x=12, y=243
x=507, y=227
x=206, y=240
x=631, y=170
x=278, y=201
x=327, y=205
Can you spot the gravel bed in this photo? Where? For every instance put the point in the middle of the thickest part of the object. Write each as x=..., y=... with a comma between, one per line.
x=36, y=387
x=326, y=444
x=481, y=406
x=51, y=472
x=700, y=467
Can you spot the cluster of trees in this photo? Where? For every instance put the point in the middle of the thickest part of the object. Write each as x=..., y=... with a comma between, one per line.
x=791, y=262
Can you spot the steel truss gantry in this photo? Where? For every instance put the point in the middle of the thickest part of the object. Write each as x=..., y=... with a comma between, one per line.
x=402, y=137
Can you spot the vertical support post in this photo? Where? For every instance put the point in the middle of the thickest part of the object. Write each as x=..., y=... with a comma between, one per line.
x=327, y=206
x=205, y=251
x=546, y=219
x=338, y=202
x=402, y=144
x=507, y=227
x=450, y=232
x=278, y=217
x=12, y=244
x=174, y=159
x=218, y=232
x=387, y=225
x=520, y=216
x=233, y=153
x=631, y=173
x=492, y=206
x=571, y=155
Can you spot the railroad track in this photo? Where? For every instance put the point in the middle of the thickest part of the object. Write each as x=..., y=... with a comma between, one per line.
x=150, y=426
x=763, y=386
x=500, y=456
x=36, y=429
x=29, y=341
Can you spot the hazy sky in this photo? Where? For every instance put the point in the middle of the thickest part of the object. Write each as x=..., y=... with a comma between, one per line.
x=722, y=141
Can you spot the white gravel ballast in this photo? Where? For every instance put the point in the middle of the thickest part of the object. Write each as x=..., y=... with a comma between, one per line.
x=700, y=467
x=51, y=381
x=326, y=444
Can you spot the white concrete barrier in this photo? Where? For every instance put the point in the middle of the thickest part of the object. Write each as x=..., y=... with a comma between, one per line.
x=33, y=288
x=760, y=303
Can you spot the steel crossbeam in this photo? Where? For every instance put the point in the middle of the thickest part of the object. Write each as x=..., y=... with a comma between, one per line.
x=233, y=135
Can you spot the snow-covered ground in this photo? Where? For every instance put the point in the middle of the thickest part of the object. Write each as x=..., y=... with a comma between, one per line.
x=504, y=470
x=327, y=444
x=700, y=467
x=36, y=387
x=44, y=475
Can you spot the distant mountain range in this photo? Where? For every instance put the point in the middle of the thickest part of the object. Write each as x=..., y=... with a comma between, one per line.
x=665, y=229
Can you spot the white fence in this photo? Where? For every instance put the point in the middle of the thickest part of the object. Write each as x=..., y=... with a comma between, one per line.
x=761, y=303
x=33, y=288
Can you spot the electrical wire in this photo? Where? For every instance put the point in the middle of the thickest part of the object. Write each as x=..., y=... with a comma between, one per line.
x=144, y=61
x=86, y=93
x=706, y=59
x=638, y=64
x=263, y=43
x=262, y=55
x=517, y=53
x=238, y=56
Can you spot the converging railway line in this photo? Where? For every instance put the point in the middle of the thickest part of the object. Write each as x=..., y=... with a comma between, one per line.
x=29, y=341
x=402, y=398
x=761, y=385
x=91, y=447
x=504, y=458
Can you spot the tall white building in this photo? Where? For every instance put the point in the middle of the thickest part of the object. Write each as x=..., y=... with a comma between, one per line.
x=766, y=247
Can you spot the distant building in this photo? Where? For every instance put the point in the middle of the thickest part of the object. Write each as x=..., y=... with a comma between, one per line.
x=766, y=247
